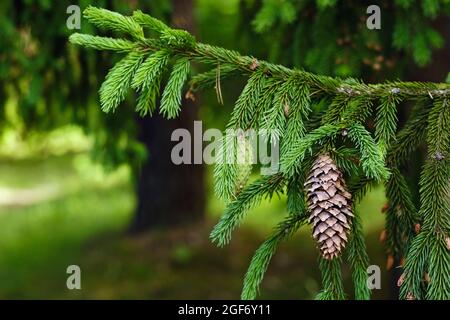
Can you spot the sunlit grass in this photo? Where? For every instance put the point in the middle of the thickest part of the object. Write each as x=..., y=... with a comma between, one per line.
x=15, y=145
x=86, y=223
x=39, y=241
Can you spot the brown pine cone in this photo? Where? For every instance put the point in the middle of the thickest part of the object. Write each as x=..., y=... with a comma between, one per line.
x=330, y=206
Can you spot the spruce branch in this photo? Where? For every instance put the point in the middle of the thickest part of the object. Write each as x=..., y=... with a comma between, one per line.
x=298, y=151
x=358, y=110
x=306, y=112
x=346, y=159
x=110, y=20
x=358, y=259
x=271, y=126
x=401, y=215
x=415, y=267
x=149, y=22
x=171, y=98
x=333, y=288
x=150, y=69
x=335, y=111
x=296, y=218
x=147, y=81
x=247, y=199
x=182, y=43
x=274, y=102
x=439, y=270
x=386, y=121
x=430, y=248
x=265, y=252
x=247, y=103
x=298, y=108
x=410, y=136
x=225, y=170
x=209, y=78
x=118, y=81
x=102, y=43
x=371, y=157
x=147, y=99
x=434, y=182
x=295, y=196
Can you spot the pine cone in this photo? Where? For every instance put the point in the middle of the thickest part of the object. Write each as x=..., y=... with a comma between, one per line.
x=329, y=204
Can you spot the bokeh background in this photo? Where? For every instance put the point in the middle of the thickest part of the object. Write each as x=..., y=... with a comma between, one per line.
x=78, y=186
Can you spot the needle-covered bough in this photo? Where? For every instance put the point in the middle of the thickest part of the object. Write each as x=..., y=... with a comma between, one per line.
x=336, y=138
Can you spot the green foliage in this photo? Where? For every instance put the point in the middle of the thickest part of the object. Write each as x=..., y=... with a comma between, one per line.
x=314, y=35
x=247, y=103
x=118, y=81
x=171, y=98
x=358, y=259
x=247, y=199
x=322, y=4
x=101, y=43
x=148, y=21
x=401, y=214
x=307, y=114
x=386, y=121
x=346, y=159
x=371, y=156
x=46, y=82
x=147, y=81
x=296, y=218
x=225, y=170
x=434, y=186
x=298, y=107
x=109, y=20
x=274, y=104
x=298, y=151
x=428, y=251
x=333, y=288
x=150, y=70
x=209, y=78
x=358, y=110
x=411, y=135
x=265, y=252
x=273, y=10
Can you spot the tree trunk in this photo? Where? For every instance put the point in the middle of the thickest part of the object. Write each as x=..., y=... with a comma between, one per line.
x=168, y=194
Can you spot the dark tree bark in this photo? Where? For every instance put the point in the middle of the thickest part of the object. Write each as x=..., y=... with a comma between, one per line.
x=168, y=194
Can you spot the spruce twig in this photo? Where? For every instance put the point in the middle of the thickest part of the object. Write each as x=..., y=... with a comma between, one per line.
x=308, y=114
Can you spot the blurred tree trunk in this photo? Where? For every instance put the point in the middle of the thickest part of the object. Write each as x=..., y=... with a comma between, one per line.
x=168, y=194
